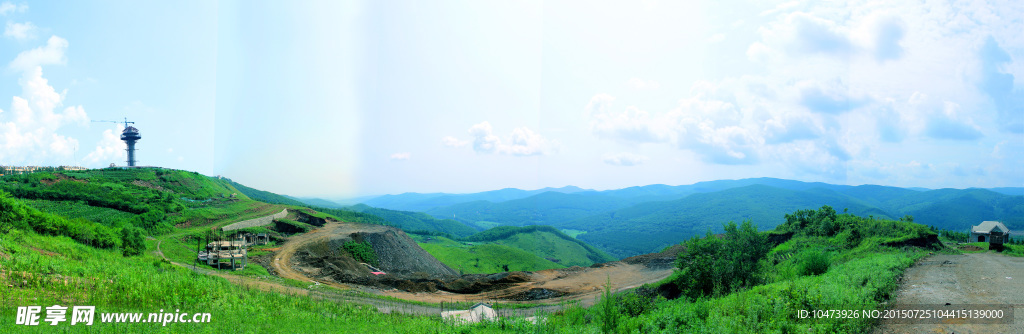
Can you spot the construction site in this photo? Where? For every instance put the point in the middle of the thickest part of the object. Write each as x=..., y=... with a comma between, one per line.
x=231, y=254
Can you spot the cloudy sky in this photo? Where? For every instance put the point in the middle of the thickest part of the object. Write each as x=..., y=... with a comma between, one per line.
x=342, y=99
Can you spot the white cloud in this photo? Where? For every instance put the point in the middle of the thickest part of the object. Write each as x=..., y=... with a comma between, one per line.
x=952, y=124
x=484, y=140
x=832, y=96
x=782, y=7
x=521, y=142
x=7, y=7
x=20, y=31
x=802, y=33
x=401, y=156
x=525, y=142
x=624, y=159
x=51, y=54
x=450, y=141
x=882, y=33
x=716, y=38
x=110, y=149
x=641, y=84
x=30, y=129
x=758, y=52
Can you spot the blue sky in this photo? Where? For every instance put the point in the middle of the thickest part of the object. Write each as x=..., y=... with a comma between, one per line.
x=335, y=99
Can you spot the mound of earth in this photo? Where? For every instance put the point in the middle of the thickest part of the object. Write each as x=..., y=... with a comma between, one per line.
x=397, y=254
x=664, y=260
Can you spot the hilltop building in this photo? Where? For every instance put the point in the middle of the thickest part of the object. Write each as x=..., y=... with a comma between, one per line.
x=992, y=232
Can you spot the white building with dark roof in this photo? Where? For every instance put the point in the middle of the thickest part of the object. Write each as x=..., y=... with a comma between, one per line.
x=992, y=232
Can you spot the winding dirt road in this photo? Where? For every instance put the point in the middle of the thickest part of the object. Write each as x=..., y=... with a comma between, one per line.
x=979, y=278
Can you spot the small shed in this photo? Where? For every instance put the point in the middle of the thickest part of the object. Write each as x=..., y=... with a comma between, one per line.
x=992, y=232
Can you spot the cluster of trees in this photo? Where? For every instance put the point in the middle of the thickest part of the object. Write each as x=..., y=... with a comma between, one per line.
x=150, y=206
x=15, y=215
x=716, y=265
x=719, y=264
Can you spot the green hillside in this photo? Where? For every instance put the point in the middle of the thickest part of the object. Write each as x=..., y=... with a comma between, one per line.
x=616, y=223
x=417, y=221
x=482, y=258
x=264, y=196
x=546, y=242
x=45, y=259
x=652, y=226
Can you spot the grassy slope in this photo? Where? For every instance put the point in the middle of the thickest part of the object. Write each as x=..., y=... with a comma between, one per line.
x=549, y=245
x=862, y=275
x=113, y=283
x=483, y=258
x=546, y=242
x=47, y=270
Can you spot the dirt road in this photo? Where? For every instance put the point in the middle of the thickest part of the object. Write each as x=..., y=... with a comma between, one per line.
x=979, y=278
x=284, y=265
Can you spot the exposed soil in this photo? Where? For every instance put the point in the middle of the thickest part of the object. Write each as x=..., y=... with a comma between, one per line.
x=980, y=278
x=413, y=274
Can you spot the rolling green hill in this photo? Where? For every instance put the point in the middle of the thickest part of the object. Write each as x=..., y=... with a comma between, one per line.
x=649, y=227
x=528, y=248
x=546, y=242
x=482, y=258
x=623, y=223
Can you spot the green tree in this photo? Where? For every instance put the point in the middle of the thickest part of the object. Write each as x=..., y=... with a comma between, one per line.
x=713, y=265
x=132, y=242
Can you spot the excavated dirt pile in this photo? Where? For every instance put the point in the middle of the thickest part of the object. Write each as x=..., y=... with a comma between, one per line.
x=409, y=269
x=663, y=260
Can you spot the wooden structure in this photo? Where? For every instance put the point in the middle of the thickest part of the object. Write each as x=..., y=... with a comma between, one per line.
x=992, y=232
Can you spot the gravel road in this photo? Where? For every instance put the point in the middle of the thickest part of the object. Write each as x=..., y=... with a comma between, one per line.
x=978, y=278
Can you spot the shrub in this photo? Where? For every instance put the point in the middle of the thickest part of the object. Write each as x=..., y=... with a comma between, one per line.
x=813, y=263
x=132, y=242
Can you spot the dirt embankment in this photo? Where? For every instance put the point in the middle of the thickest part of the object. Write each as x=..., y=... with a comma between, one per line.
x=414, y=274
x=981, y=278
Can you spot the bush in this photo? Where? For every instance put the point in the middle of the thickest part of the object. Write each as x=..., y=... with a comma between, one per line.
x=132, y=242
x=813, y=263
x=713, y=265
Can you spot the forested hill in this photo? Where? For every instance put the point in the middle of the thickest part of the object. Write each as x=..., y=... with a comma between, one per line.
x=622, y=223
x=649, y=226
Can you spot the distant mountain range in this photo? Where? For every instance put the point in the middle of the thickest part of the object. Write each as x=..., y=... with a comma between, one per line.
x=636, y=220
